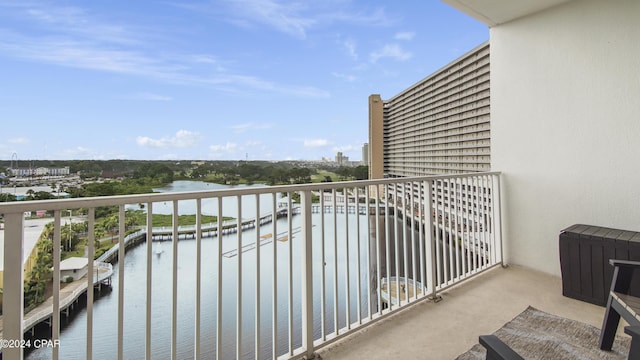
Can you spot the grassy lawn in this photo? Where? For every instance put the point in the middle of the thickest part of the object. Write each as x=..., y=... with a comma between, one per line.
x=167, y=220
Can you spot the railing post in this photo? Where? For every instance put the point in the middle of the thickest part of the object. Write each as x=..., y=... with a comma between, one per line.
x=496, y=208
x=430, y=242
x=307, y=275
x=13, y=291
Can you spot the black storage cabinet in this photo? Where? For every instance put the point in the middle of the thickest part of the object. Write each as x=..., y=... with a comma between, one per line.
x=585, y=251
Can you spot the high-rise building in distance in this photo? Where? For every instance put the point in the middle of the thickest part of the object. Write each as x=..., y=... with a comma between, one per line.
x=365, y=154
x=440, y=125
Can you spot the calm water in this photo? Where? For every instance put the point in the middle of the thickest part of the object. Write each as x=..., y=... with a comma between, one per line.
x=73, y=334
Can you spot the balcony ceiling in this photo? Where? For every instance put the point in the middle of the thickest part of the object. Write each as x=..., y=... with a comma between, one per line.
x=496, y=12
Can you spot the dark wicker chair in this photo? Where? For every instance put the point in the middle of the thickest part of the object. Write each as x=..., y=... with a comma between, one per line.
x=620, y=303
x=498, y=350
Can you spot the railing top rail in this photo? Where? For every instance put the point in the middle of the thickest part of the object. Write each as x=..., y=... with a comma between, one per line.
x=63, y=204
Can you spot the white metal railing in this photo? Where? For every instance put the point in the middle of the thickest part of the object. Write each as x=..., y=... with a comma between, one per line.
x=295, y=284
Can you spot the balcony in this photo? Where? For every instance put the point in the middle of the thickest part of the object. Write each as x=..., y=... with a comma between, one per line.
x=292, y=271
x=450, y=327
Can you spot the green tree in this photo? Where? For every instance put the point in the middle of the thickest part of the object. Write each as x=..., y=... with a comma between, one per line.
x=4, y=197
x=361, y=172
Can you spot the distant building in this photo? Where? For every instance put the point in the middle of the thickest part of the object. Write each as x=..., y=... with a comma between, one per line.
x=341, y=159
x=440, y=125
x=365, y=154
x=40, y=171
x=73, y=267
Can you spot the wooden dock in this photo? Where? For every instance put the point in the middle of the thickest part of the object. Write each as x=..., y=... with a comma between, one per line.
x=189, y=232
x=68, y=298
x=211, y=229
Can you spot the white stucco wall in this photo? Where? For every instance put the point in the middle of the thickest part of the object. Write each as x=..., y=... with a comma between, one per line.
x=76, y=274
x=565, y=124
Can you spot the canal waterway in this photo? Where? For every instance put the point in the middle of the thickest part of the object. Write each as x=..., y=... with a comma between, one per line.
x=73, y=333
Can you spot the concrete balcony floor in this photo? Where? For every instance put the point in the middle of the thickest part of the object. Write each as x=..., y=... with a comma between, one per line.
x=450, y=327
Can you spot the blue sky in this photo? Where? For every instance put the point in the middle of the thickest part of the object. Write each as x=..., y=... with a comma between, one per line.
x=223, y=80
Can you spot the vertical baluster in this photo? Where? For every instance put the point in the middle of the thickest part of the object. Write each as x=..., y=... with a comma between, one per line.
x=149, y=280
x=347, y=261
x=55, y=317
x=441, y=267
x=396, y=240
x=482, y=246
x=466, y=238
x=274, y=291
x=196, y=346
x=307, y=274
x=450, y=235
x=334, y=211
x=367, y=246
x=121, y=253
x=413, y=241
x=406, y=211
x=90, y=269
x=257, y=275
x=323, y=272
x=483, y=223
x=290, y=265
x=174, y=287
x=469, y=214
x=474, y=224
x=487, y=221
x=219, y=283
x=378, y=257
x=358, y=272
x=387, y=243
x=13, y=282
x=239, y=283
x=430, y=248
x=456, y=233
x=422, y=228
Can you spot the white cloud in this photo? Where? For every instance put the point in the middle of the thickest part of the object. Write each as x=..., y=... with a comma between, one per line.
x=71, y=37
x=314, y=143
x=79, y=152
x=240, y=128
x=285, y=17
x=19, y=141
x=406, y=35
x=228, y=147
x=346, y=148
x=350, y=45
x=250, y=149
x=393, y=51
x=224, y=151
x=253, y=143
x=349, y=78
x=294, y=18
x=152, y=97
x=182, y=138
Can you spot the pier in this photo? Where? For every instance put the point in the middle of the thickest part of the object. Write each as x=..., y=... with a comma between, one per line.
x=189, y=232
x=68, y=298
x=211, y=229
